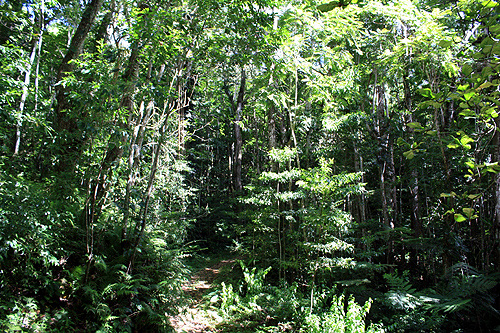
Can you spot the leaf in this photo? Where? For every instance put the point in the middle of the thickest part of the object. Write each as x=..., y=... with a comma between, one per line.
x=487, y=71
x=468, y=95
x=434, y=104
x=445, y=43
x=496, y=49
x=494, y=29
x=489, y=4
x=465, y=140
x=467, y=113
x=415, y=125
x=466, y=69
x=426, y=93
x=473, y=196
x=431, y=132
x=470, y=164
x=326, y=7
x=459, y=218
x=401, y=142
x=468, y=212
x=493, y=167
x=485, y=85
x=409, y=154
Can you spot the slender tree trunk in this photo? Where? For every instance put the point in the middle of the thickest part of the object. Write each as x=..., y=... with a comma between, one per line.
x=271, y=126
x=25, y=88
x=237, y=108
x=381, y=132
x=496, y=228
x=238, y=154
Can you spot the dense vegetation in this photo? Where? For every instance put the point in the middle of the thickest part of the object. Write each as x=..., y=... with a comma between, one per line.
x=348, y=151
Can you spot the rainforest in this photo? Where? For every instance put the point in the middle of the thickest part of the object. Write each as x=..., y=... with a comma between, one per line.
x=249, y=166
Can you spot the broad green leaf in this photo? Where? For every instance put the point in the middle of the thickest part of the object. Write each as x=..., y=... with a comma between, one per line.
x=487, y=49
x=409, y=154
x=496, y=49
x=434, y=104
x=468, y=212
x=468, y=95
x=489, y=113
x=494, y=29
x=467, y=113
x=473, y=196
x=466, y=69
x=489, y=4
x=414, y=125
x=445, y=43
x=401, y=142
x=459, y=218
x=487, y=71
x=466, y=139
x=431, y=133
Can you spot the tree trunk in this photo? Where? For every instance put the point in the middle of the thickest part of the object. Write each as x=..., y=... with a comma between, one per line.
x=65, y=123
x=27, y=76
x=237, y=134
x=381, y=132
x=496, y=228
x=237, y=108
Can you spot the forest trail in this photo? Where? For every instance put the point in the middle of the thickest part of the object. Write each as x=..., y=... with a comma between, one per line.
x=194, y=318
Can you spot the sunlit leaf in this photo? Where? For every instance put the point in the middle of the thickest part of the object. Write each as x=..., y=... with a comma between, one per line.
x=414, y=125
x=409, y=154
x=485, y=85
x=468, y=95
x=468, y=212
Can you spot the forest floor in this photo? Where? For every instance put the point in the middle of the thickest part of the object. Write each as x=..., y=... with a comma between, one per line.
x=196, y=318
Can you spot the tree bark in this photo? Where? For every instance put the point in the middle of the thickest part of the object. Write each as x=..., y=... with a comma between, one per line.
x=237, y=133
x=237, y=108
x=496, y=228
x=27, y=77
x=65, y=123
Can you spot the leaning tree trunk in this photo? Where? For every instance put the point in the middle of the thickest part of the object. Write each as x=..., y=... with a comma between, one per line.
x=65, y=122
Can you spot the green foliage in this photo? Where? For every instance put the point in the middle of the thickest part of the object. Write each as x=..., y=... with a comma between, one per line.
x=361, y=122
x=410, y=312
x=257, y=301
x=341, y=318
x=463, y=293
x=268, y=305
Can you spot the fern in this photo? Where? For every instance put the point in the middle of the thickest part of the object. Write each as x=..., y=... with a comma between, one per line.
x=466, y=289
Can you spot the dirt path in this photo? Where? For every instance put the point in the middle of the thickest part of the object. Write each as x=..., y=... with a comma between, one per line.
x=195, y=319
